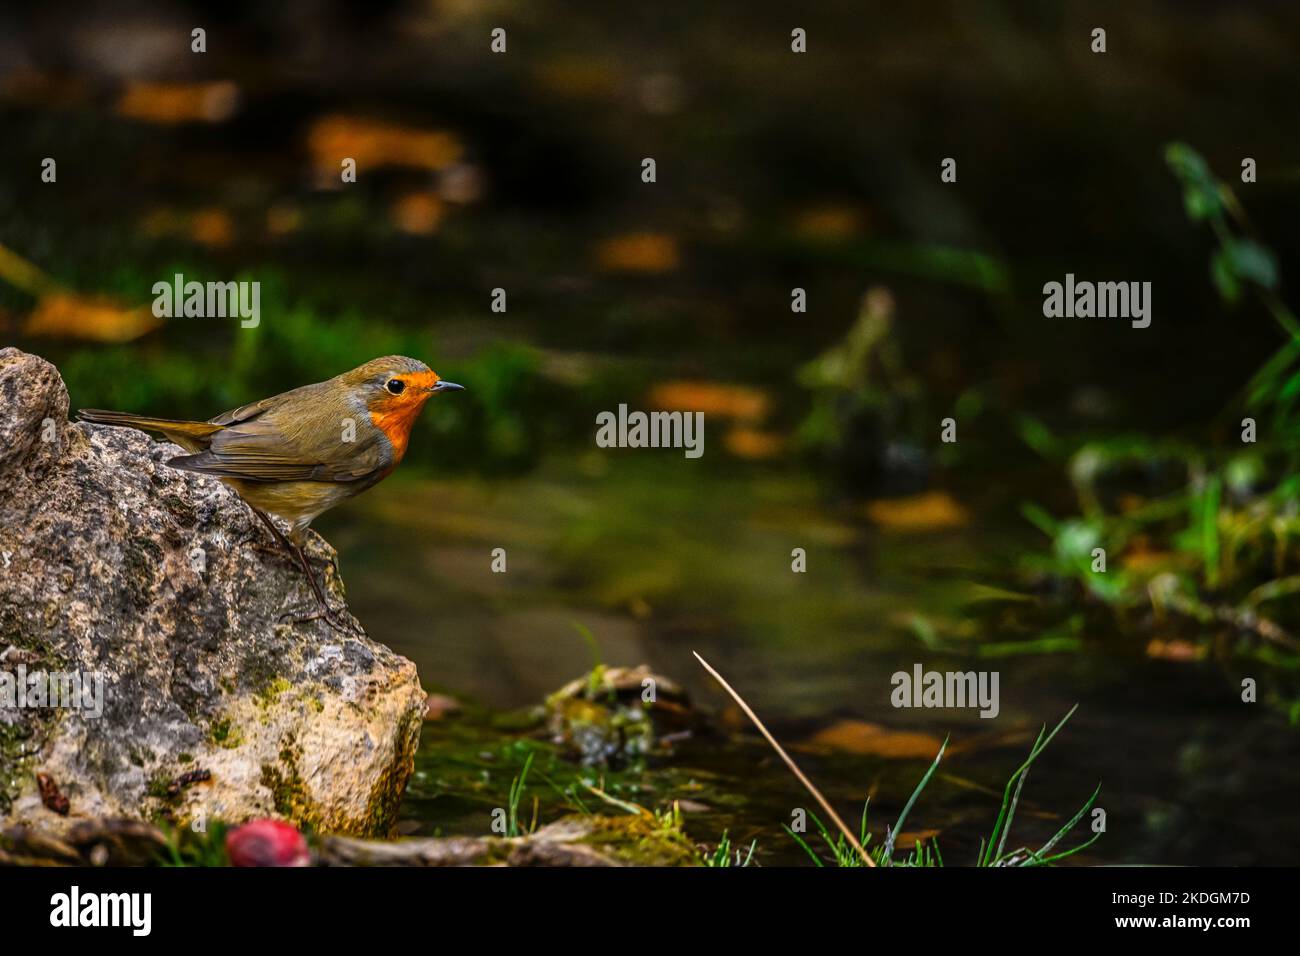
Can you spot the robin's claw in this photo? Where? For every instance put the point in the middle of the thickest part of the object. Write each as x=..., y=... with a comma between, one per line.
x=340, y=623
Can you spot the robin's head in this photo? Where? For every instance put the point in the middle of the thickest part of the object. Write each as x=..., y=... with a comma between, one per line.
x=394, y=389
x=395, y=382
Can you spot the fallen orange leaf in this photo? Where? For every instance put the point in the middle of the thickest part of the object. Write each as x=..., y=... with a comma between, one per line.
x=753, y=444
x=170, y=103
x=829, y=222
x=931, y=511
x=712, y=398
x=212, y=227
x=1173, y=650
x=417, y=213
x=860, y=737
x=910, y=838
x=375, y=143
x=1149, y=560
x=70, y=316
x=638, y=252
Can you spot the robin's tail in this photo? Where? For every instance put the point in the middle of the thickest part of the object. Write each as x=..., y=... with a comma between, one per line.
x=192, y=436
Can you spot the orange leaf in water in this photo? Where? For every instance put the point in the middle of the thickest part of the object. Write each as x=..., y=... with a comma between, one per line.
x=1142, y=557
x=712, y=398
x=376, y=143
x=212, y=227
x=910, y=838
x=63, y=315
x=1173, y=650
x=860, y=737
x=931, y=511
x=170, y=103
x=829, y=222
x=752, y=443
x=651, y=252
x=418, y=213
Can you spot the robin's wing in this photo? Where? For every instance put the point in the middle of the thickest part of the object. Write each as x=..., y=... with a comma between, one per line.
x=252, y=410
x=265, y=441
x=245, y=412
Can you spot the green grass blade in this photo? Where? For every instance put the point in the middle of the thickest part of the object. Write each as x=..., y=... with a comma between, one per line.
x=1003, y=820
x=804, y=843
x=1069, y=826
x=907, y=808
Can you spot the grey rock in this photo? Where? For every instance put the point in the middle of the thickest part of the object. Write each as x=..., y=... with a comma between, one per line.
x=165, y=584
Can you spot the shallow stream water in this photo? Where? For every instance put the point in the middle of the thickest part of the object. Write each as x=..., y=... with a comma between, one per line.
x=659, y=561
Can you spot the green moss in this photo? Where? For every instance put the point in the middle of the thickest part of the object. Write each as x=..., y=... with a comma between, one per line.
x=158, y=787
x=269, y=694
x=288, y=791
x=643, y=840
x=225, y=733
x=16, y=757
x=261, y=673
x=381, y=808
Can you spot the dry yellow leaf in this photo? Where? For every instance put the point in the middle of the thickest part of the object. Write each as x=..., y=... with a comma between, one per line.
x=170, y=103
x=713, y=398
x=1149, y=561
x=829, y=222
x=212, y=227
x=375, y=143
x=1173, y=650
x=753, y=443
x=860, y=737
x=417, y=213
x=931, y=511
x=638, y=252
x=64, y=315
x=910, y=838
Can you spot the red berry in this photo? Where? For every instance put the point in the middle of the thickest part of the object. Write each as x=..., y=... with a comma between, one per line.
x=267, y=843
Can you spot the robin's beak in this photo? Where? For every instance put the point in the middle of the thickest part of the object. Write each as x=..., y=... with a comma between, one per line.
x=447, y=387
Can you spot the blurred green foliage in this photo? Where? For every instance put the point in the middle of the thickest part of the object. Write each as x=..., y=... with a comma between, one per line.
x=1205, y=536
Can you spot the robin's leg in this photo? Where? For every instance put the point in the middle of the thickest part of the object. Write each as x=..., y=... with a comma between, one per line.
x=296, y=552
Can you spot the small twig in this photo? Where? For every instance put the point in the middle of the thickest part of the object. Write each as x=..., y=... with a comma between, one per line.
x=632, y=808
x=794, y=768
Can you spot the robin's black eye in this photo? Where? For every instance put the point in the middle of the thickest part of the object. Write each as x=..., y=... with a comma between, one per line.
x=395, y=385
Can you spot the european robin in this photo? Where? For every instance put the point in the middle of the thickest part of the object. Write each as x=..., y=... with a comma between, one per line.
x=300, y=453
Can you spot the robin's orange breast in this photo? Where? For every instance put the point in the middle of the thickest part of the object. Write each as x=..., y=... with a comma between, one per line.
x=396, y=424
